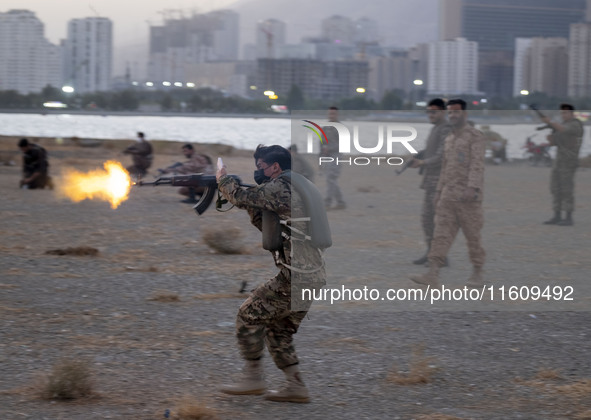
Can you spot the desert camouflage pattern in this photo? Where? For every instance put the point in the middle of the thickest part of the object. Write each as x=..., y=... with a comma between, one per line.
x=463, y=167
x=562, y=178
x=274, y=310
x=463, y=163
x=450, y=216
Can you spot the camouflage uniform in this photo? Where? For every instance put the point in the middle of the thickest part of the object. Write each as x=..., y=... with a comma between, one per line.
x=141, y=155
x=562, y=180
x=462, y=167
x=432, y=169
x=331, y=170
x=272, y=314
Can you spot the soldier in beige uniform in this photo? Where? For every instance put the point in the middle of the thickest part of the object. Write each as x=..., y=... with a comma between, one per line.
x=458, y=196
x=273, y=312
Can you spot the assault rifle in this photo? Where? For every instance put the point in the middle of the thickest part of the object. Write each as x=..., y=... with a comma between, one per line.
x=534, y=108
x=207, y=182
x=420, y=155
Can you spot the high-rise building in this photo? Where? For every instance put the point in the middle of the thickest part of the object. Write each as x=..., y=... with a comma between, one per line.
x=542, y=66
x=398, y=71
x=366, y=31
x=89, y=54
x=521, y=65
x=495, y=24
x=579, y=61
x=225, y=34
x=270, y=38
x=182, y=42
x=453, y=68
x=338, y=29
x=28, y=61
x=316, y=79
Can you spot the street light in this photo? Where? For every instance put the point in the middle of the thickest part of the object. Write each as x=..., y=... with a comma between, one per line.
x=524, y=92
x=417, y=82
x=68, y=89
x=268, y=93
x=360, y=90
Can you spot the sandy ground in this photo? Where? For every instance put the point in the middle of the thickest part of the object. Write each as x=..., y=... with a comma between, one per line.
x=488, y=360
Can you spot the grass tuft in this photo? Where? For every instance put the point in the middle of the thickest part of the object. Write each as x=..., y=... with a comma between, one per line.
x=420, y=371
x=68, y=380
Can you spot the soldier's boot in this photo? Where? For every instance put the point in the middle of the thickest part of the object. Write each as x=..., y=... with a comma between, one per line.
x=555, y=220
x=424, y=259
x=476, y=279
x=568, y=221
x=431, y=278
x=252, y=381
x=294, y=390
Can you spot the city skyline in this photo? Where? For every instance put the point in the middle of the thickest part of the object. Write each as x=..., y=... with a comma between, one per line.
x=131, y=20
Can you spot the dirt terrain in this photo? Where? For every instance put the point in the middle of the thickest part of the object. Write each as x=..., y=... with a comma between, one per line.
x=152, y=311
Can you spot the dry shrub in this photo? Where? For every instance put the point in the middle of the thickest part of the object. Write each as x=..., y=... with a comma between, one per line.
x=78, y=250
x=189, y=410
x=224, y=240
x=585, y=415
x=579, y=389
x=420, y=369
x=548, y=374
x=68, y=380
x=164, y=296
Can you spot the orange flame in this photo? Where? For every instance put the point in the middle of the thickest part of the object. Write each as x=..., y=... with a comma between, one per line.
x=111, y=184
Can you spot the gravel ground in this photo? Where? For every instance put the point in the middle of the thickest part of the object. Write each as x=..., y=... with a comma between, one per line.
x=486, y=360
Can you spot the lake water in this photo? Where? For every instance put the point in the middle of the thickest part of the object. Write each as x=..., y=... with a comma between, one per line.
x=240, y=132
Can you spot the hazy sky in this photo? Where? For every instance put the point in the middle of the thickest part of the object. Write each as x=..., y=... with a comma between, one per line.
x=400, y=22
x=129, y=16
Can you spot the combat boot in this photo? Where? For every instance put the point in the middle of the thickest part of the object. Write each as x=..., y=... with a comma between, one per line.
x=476, y=279
x=294, y=391
x=568, y=221
x=424, y=259
x=555, y=220
x=252, y=381
x=431, y=278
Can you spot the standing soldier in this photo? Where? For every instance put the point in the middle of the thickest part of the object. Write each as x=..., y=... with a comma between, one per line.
x=567, y=137
x=332, y=170
x=141, y=155
x=458, y=196
x=271, y=315
x=431, y=167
